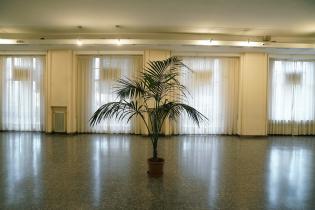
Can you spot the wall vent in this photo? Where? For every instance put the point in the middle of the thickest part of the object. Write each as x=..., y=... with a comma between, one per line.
x=59, y=119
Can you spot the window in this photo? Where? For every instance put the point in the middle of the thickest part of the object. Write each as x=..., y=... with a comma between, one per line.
x=291, y=97
x=96, y=78
x=22, y=99
x=213, y=88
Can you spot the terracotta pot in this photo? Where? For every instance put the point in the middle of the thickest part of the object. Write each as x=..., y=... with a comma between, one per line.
x=155, y=167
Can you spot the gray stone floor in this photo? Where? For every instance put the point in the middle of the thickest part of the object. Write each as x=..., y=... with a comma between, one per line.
x=39, y=171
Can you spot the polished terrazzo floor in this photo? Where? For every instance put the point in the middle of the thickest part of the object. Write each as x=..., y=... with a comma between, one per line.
x=39, y=171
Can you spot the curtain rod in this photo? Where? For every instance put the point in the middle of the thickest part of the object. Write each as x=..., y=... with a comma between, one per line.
x=206, y=54
x=292, y=57
x=23, y=52
x=108, y=52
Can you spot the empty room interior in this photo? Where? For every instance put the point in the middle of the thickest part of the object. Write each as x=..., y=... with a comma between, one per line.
x=157, y=104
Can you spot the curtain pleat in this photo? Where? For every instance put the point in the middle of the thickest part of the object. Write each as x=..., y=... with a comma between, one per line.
x=22, y=93
x=291, y=97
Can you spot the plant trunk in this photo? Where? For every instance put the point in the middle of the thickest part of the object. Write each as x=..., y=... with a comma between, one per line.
x=155, y=136
x=155, y=152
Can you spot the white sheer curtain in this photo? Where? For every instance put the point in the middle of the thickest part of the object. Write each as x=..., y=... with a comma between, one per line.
x=96, y=77
x=214, y=92
x=291, y=97
x=21, y=91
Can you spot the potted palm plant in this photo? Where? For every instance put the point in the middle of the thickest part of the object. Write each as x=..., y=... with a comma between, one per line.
x=148, y=97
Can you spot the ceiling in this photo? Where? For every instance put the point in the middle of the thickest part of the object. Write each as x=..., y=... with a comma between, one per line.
x=292, y=20
x=241, y=17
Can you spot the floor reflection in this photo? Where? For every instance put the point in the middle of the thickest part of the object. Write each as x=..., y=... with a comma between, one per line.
x=97, y=171
x=105, y=148
x=200, y=158
x=290, y=172
x=22, y=167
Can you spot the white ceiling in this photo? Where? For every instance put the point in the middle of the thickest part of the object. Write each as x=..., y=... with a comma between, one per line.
x=232, y=17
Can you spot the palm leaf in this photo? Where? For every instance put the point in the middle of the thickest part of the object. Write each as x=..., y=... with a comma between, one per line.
x=174, y=109
x=127, y=88
x=116, y=110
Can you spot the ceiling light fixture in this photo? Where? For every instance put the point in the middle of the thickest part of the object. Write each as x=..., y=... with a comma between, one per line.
x=118, y=42
x=7, y=41
x=79, y=42
x=214, y=42
x=249, y=43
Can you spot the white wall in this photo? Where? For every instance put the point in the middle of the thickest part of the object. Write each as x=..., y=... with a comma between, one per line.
x=60, y=86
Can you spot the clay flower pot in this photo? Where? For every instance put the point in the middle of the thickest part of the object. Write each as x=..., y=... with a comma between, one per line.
x=155, y=167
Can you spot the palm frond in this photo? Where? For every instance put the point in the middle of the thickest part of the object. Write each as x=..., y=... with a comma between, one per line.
x=157, y=69
x=126, y=88
x=117, y=110
x=174, y=109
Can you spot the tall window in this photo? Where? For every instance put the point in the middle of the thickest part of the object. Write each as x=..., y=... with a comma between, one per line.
x=214, y=92
x=292, y=97
x=22, y=93
x=96, y=78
